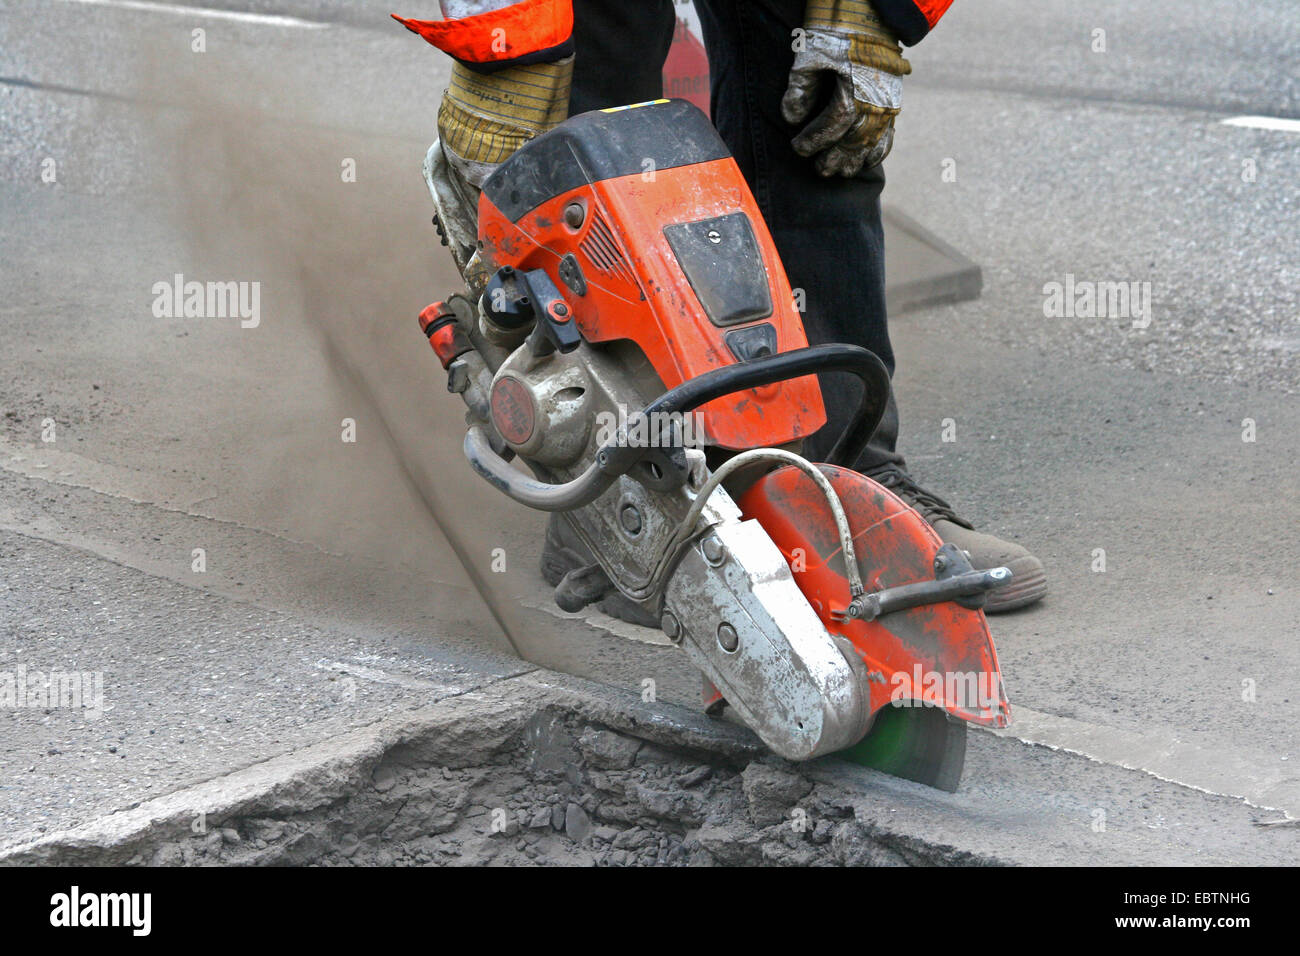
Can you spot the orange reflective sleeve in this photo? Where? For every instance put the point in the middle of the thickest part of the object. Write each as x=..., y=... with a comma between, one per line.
x=522, y=32
x=911, y=20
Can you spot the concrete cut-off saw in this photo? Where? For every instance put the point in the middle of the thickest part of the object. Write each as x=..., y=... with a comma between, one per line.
x=628, y=332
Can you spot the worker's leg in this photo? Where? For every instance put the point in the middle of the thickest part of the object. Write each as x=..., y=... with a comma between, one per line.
x=827, y=231
x=619, y=51
x=620, y=47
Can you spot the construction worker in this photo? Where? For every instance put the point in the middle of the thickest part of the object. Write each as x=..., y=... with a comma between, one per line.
x=804, y=93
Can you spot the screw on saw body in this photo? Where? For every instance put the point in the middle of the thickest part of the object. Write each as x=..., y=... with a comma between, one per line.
x=728, y=639
x=942, y=560
x=574, y=214
x=714, y=551
x=630, y=518
x=857, y=601
x=671, y=627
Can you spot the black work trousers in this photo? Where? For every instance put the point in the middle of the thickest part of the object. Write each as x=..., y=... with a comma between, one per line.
x=827, y=231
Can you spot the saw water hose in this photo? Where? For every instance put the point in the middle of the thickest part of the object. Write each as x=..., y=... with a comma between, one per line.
x=686, y=530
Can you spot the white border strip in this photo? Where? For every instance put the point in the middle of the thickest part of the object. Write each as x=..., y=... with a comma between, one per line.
x=1264, y=781
x=1274, y=123
x=260, y=19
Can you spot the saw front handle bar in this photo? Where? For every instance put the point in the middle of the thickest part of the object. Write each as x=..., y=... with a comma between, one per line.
x=955, y=579
x=618, y=457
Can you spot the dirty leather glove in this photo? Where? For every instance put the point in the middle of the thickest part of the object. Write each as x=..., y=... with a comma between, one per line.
x=510, y=79
x=844, y=45
x=484, y=118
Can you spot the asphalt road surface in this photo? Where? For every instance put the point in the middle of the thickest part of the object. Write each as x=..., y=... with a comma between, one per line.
x=180, y=510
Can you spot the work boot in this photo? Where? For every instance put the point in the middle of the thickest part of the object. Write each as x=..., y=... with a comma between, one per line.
x=1029, y=580
x=563, y=551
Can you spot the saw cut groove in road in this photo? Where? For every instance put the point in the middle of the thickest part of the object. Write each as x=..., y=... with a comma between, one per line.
x=27, y=84
x=375, y=135
x=1258, y=780
x=259, y=19
x=1273, y=123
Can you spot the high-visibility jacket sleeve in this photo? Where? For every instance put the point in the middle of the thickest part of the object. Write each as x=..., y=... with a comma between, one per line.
x=533, y=31
x=530, y=31
x=911, y=20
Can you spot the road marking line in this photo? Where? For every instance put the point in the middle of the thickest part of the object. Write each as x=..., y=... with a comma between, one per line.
x=1275, y=123
x=1262, y=781
x=597, y=618
x=261, y=19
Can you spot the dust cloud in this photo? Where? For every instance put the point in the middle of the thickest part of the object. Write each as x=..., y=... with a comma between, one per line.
x=335, y=224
